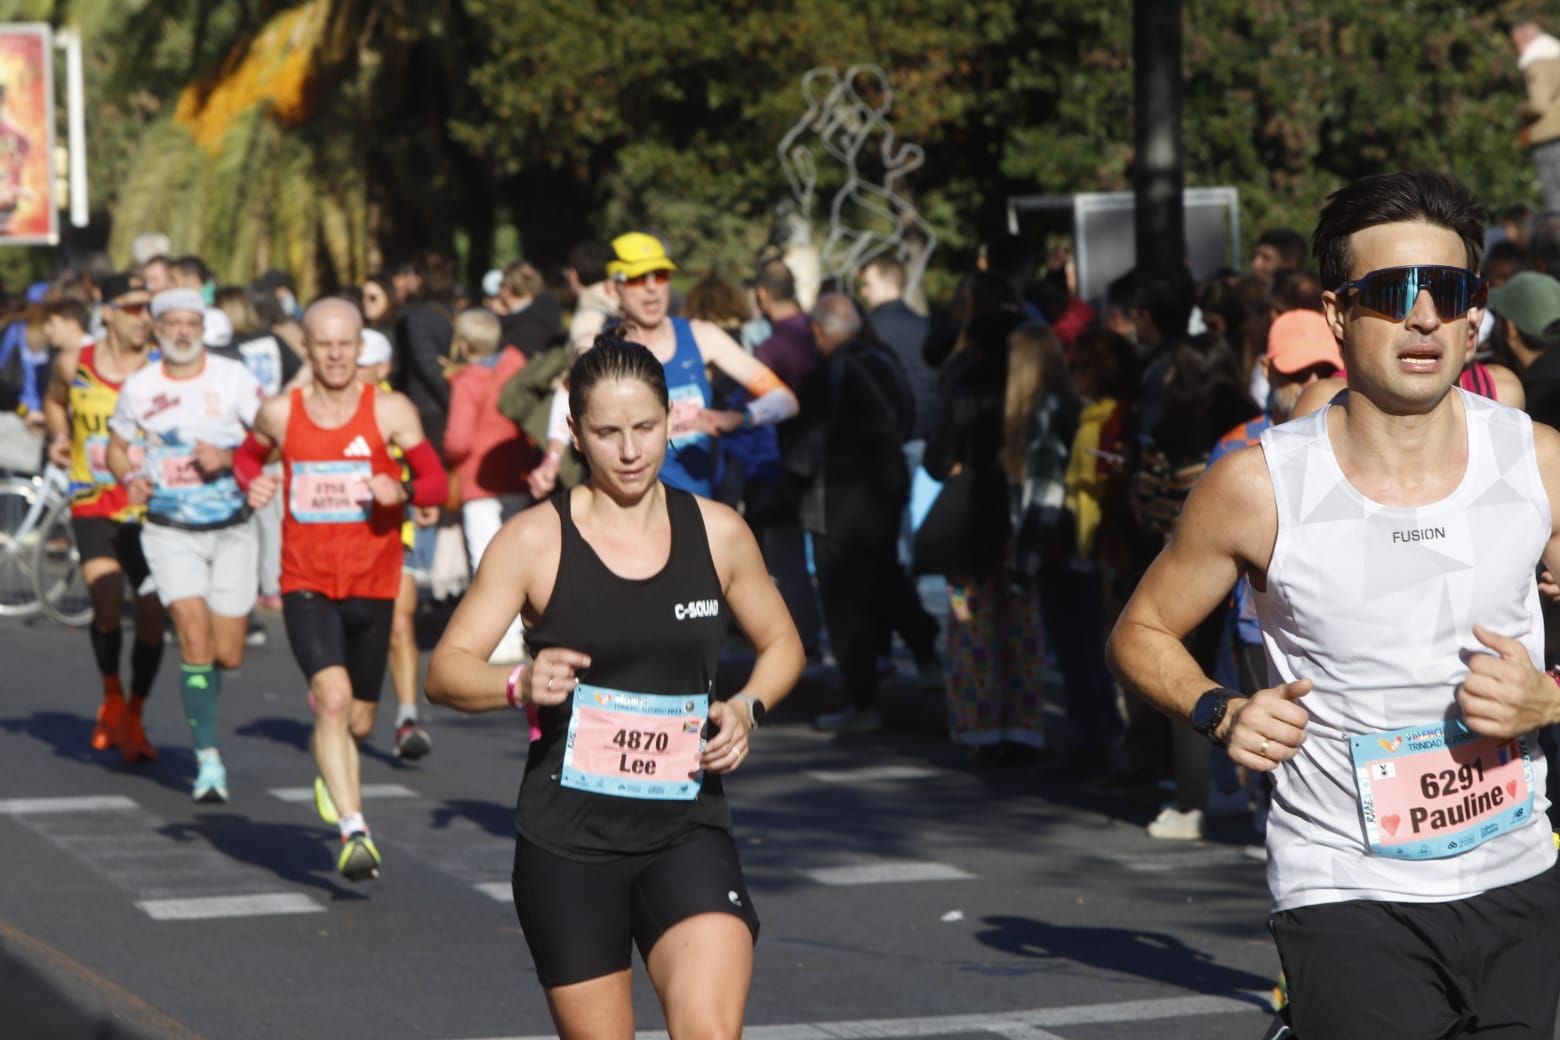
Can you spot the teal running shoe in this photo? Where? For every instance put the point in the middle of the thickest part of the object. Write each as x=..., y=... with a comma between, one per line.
x=210, y=778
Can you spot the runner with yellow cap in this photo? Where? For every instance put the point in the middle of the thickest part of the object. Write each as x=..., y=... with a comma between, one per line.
x=639, y=277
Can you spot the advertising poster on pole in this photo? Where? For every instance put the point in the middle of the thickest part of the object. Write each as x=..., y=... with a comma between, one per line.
x=28, y=215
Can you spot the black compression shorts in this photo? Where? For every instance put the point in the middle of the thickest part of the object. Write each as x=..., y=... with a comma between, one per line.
x=578, y=918
x=352, y=633
x=1484, y=966
x=98, y=537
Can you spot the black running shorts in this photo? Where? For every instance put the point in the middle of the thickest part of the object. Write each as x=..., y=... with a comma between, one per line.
x=352, y=633
x=578, y=918
x=1488, y=966
x=98, y=537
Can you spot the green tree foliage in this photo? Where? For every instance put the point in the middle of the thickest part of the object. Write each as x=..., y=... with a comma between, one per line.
x=445, y=118
x=665, y=114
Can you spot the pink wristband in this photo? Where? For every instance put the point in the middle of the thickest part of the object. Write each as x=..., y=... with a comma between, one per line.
x=513, y=688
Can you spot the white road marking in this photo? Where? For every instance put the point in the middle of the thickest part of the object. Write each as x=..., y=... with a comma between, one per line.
x=870, y=774
x=1027, y=1025
x=887, y=871
x=1195, y=858
x=86, y=803
x=207, y=907
x=306, y=794
x=502, y=891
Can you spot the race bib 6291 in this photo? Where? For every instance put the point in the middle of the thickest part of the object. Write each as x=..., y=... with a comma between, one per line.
x=1427, y=792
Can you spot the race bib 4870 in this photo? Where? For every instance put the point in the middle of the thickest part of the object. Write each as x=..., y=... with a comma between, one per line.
x=1427, y=792
x=635, y=745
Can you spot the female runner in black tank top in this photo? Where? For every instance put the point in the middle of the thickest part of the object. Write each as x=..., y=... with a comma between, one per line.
x=626, y=588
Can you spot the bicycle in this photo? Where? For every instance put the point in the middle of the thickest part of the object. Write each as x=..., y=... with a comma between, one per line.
x=40, y=568
x=59, y=585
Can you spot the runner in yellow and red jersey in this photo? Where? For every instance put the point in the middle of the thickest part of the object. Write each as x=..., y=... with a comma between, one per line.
x=81, y=397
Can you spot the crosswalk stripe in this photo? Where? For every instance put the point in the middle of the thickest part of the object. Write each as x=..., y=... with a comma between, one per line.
x=86, y=803
x=501, y=891
x=1021, y=1025
x=172, y=872
x=306, y=794
x=886, y=872
x=870, y=774
x=207, y=907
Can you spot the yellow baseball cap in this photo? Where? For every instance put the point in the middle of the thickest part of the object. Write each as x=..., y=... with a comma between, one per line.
x=637, y=253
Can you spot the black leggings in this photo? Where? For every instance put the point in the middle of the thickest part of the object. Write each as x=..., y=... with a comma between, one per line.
x=352, y=633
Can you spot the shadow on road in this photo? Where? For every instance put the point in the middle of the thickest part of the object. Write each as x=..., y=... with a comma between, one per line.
x=498, y=820
x=296, y=854
x=295, y=733
x=70, y=738
x=31, y=1006
x=1155, y=956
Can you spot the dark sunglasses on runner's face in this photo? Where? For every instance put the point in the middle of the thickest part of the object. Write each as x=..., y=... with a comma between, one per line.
x=1392, y=291
x=649, y=277
x=130, y=308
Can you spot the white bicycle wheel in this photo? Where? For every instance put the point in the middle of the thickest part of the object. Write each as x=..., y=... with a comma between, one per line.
x=18, y=598
x=56, y=568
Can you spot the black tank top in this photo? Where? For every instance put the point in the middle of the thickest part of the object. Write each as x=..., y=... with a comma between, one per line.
x=657, y=636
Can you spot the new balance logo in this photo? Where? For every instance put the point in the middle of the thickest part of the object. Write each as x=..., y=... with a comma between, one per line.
x=698, y=608
x=358, y=449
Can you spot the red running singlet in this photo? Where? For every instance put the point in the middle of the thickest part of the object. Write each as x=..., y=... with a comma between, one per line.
x=336, y=540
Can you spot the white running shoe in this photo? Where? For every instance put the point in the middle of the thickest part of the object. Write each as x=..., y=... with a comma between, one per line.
x=1174, y=825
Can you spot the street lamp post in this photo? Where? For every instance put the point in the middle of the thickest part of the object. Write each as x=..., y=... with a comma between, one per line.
x=1159, y=177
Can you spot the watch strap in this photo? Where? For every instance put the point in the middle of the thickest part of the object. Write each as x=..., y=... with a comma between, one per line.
x=755, y=708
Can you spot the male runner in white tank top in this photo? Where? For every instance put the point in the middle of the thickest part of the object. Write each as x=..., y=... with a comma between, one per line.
x=1391, y=540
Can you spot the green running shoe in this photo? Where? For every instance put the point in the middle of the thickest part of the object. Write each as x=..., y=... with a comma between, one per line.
x=322, y=803
x=359, y=859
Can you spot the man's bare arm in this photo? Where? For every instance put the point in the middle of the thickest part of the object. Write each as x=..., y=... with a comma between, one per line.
x=1191, y=579
x=1228, y=526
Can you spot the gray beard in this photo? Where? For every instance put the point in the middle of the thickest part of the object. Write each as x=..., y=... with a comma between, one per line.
x=180, y=356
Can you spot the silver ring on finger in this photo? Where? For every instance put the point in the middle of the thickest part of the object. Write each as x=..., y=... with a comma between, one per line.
x=1263, y=749
x=549, y=684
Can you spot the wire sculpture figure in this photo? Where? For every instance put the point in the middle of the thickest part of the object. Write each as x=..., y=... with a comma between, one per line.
x=867, y=218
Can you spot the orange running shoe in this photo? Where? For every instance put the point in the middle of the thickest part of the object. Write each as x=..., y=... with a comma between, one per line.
x=132, y=740
x=110, y=722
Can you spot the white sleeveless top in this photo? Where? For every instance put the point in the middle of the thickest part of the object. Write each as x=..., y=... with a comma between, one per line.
x=1375, y=604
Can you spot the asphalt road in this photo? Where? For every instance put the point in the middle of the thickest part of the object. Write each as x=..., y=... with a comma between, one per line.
x=903, y=891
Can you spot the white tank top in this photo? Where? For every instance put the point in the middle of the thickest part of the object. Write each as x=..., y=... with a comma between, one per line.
x=1375, y=604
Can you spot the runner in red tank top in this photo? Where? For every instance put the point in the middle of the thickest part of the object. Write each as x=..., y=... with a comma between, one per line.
x=341, y=547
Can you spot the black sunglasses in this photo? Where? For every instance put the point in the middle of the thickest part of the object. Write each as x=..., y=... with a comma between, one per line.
x=1392, y=291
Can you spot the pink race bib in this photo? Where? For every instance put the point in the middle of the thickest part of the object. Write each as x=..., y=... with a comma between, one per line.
x=332, y=492
x=178, y=471
x=1427, y=792
x=635, y=745
x=687, y=402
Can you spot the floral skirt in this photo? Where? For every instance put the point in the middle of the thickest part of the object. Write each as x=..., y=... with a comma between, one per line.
x=996, y=654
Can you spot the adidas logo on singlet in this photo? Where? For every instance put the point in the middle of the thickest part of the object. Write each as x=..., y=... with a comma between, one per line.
x=698, y=608
x=358, y=448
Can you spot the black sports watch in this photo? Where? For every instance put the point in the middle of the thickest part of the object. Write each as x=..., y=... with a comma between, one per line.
x=1208, y=713
x=756, y=709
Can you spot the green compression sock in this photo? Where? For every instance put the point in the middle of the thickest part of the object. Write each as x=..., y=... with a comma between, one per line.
x=201, y=685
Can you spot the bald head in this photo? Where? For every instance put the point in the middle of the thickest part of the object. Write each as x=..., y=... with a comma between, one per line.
x=835, y=321
x=332, y=338
x=331, y=309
